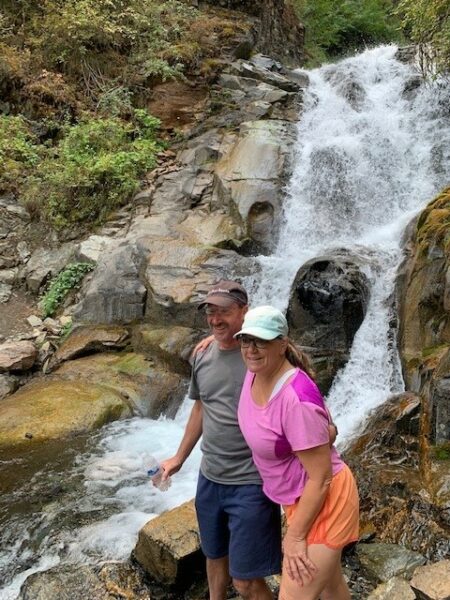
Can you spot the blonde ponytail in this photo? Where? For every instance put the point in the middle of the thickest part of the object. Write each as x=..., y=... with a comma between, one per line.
x=299, y=359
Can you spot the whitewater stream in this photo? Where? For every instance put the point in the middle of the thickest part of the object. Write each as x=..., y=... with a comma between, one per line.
x=369, y=156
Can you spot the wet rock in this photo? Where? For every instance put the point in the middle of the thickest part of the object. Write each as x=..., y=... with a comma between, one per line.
x=432, y=582
x=327, y=304
x=51, y=409
x=394, y=589
x=381, y=562
x=168, y=547
x=17, y=356
x=173, y=345
x=105, y=582
x=147, y=387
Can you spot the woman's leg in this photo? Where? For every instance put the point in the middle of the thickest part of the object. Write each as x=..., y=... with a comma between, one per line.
x=329, y=574
x=336, y=588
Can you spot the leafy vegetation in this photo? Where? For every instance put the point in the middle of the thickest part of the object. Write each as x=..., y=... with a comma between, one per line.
x=68, y=279
x=427, y=23
x=94, y=168
x=334, y=27
x=75, y=79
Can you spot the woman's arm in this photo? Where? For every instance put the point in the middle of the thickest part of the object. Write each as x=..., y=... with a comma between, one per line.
x=317, y=463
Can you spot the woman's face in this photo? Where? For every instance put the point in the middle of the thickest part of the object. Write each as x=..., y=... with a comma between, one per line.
x=261, y=356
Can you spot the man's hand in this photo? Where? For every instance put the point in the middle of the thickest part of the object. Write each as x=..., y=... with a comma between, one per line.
x=202, y=345
x=170, y=467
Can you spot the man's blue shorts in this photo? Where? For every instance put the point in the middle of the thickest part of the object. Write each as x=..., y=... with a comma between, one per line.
x=240, y=522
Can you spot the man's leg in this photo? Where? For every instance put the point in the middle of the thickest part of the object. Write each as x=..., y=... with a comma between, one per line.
x=214, y=536
x=218, y=577
x=255, y=540
x=253, y=589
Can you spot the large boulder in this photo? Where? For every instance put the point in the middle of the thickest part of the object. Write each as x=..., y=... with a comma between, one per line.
x=168, y=547
x=327, y=304
x=146, y=386
x=53, y=409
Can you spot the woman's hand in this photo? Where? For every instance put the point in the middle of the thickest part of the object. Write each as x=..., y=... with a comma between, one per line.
x=295, y=561
x=202, y=345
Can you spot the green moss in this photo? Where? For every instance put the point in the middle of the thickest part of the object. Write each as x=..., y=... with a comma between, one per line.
x=132, y=364
x=441, y=452
x=433, y=226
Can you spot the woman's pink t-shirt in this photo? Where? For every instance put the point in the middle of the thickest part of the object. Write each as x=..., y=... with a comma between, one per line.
x=294, y=419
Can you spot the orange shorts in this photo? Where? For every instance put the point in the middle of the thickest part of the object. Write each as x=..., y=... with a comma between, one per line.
x=337, y=524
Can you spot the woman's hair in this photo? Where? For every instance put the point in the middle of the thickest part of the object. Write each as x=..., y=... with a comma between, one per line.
x=299, y=359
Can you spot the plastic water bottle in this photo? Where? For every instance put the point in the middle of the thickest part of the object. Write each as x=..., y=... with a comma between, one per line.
x=155, y=472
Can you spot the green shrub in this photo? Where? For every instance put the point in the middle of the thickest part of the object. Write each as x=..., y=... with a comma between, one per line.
x=427, y=23
x=334, y=27
x=68, y=279
x=94, y=169
x=18, y=152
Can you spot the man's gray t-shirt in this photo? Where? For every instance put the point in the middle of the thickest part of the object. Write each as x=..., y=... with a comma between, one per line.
x=216, y=380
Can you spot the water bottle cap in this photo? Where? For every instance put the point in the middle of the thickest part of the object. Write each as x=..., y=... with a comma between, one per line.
x=152, y=472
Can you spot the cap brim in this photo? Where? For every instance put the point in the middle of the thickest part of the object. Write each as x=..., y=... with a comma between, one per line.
x=221, y=301
x=258, y=332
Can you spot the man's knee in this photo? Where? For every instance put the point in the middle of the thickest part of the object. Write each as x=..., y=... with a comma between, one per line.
x=249, y=588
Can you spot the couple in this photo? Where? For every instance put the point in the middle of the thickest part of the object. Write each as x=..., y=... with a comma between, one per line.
x=266, y=434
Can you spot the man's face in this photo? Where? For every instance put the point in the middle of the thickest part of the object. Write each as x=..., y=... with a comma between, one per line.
x=225, y=322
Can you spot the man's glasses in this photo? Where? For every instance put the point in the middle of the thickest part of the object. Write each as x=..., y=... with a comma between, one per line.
x=246, y=341
x=218, y=312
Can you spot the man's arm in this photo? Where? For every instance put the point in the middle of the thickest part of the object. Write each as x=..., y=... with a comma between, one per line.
x=192, y=434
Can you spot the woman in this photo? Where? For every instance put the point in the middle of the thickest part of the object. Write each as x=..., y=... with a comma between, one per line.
x=284, y=420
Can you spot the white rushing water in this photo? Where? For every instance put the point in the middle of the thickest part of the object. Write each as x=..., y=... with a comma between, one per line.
x=368, y=158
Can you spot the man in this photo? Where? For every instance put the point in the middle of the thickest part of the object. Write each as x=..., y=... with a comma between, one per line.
x=240, y=528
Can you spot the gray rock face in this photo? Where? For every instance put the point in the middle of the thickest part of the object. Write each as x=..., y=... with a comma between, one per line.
x=251, y=175
x=381, y=562
x=44, y=264
x=440, y=411
x=114, y=293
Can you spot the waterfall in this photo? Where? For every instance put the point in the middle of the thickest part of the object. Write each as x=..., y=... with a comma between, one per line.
x=370, y=153
x=372, y=150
